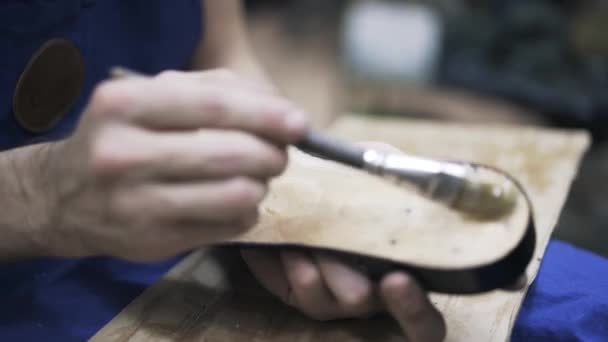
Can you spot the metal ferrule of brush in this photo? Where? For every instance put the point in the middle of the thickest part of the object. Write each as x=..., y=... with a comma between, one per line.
x=440, y=181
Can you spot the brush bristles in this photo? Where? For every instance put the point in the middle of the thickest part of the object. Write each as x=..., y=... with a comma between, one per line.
x=486, y=200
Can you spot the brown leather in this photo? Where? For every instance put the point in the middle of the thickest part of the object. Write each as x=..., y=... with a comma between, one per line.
x=49, y=86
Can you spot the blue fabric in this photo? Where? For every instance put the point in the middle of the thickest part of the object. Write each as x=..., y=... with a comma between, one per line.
x=569, y=299
x=63, y=299
x=68, y=300
x=146, y=35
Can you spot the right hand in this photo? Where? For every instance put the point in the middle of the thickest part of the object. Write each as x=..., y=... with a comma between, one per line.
x=160, y=166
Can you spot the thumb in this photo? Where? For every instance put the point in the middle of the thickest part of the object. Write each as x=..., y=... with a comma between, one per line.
x=408, y=304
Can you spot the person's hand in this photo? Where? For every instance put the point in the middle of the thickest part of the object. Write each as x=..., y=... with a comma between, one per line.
x=162, y=165
x=324, y=289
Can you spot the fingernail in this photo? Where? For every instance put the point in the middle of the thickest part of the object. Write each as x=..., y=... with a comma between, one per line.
x=296, y=122
x=395, y=285
x=399, y=280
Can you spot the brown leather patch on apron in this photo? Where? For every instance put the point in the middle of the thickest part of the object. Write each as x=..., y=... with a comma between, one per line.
x=49, y=86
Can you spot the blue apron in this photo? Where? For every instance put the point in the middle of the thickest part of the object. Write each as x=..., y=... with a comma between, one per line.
x=51, y=299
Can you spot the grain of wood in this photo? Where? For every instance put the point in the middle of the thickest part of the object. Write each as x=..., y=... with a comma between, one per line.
x=211, y=297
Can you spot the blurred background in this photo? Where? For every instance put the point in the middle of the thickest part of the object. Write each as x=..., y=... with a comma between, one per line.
x=531, y=62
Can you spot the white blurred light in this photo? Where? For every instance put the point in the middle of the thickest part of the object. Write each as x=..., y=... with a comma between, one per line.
x=388, y=40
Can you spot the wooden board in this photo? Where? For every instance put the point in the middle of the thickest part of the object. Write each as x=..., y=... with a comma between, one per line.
x=211, y=297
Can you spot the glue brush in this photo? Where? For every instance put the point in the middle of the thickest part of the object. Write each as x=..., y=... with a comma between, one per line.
x=479, y=194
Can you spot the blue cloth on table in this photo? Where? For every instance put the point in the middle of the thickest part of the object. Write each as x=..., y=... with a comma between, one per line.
x=569, y=299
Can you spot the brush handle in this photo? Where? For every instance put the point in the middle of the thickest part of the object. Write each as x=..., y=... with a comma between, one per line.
x=321, y=145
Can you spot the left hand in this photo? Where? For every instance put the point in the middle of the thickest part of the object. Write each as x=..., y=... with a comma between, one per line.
x=324, y=289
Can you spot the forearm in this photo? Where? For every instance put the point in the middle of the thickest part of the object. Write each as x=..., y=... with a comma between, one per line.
x=226, y=43
x=23, y=202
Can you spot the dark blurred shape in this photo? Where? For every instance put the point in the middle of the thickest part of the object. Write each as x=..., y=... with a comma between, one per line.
x=583, y=221
x=303, y=16
x=253, y=5
x=550, y=56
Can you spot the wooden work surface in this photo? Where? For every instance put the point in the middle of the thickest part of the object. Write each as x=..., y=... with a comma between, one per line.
x=210, y=296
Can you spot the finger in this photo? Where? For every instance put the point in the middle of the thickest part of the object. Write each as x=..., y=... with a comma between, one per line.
x=308, y=292
x=225, y=76
x=222, y=75
x=187, y=104
x=410, y=306
x=186, y=156
x=209, y=202
x=268, y=269
x=158, y=242
x=352, y=290
x=196, y=234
